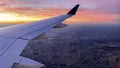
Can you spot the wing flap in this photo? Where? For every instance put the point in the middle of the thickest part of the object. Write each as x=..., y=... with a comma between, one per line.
x=5, y=43
x=12, y=54
x=29, y=62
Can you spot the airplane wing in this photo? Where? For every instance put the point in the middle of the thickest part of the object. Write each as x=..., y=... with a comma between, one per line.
x=13, y=40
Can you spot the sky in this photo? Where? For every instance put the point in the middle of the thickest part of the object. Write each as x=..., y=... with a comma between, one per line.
x=90, y=11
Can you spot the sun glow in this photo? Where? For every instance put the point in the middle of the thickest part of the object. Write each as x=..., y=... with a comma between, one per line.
x=16, y=18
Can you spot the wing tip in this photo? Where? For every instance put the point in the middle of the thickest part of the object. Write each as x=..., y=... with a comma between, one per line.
x=74, y=10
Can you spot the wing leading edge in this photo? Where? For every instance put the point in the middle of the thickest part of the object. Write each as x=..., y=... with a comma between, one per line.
x=13, y=39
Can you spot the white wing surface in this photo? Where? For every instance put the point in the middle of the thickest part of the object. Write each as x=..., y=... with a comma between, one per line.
x=13, y=39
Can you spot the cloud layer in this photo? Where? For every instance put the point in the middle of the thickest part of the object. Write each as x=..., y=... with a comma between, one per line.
x=90, y=10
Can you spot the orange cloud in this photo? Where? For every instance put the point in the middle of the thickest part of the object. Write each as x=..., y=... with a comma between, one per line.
x=94, y=17
x=20, y=14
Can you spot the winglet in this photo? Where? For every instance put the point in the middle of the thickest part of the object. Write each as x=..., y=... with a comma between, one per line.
x=74, y=10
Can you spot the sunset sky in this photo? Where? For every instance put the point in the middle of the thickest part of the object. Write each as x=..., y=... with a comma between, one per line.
x=90, y=11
